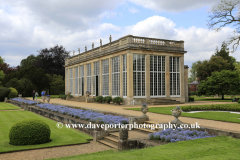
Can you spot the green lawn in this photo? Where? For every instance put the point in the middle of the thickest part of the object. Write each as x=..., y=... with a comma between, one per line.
x=59, y=137
x=212, y=115
x=7, y=106
x=207, y=148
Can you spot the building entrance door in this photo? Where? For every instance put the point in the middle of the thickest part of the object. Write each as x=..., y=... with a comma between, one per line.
x=96, y=85
x=82, y=86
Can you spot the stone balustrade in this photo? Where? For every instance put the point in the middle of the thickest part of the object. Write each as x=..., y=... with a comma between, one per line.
x=127, y=42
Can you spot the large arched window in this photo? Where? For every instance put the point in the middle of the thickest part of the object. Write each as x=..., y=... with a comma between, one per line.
x=174, y=76
x=138, y=75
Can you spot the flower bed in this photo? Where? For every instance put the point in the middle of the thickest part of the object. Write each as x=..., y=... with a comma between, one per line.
x=30, y=102
x=87, y=115
x=219, y=107
x=170, y=135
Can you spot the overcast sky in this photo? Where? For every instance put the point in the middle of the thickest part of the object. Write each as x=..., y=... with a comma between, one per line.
x=27, y=26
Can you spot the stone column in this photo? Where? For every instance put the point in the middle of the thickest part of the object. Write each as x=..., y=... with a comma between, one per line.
x=85, y=78
x=66, y=76
x=73, y=81
x=100, y=77
x=79, y=92
x=129, y=78
x=92, y=79
x=147, y=73
x=121, y=75
x=186, y=82
x=182, y=82
x=110, y=77
x=167, y=83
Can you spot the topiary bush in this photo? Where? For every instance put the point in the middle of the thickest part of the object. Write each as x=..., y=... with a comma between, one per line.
x=13, y=93
x=108, y=99
x=4, y=93
x=29, y=132
x=104, y=99
x=99, y=99
x=117, y=100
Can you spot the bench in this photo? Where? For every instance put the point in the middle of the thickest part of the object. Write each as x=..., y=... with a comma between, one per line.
x=235, y=100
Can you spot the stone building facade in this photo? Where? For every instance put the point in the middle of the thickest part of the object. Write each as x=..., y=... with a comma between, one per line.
x=137, y=69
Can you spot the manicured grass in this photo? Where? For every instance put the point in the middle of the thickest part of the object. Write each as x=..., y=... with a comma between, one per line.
x=212, y=115
x=59, y=137
x=207, y=148
x=7, y=106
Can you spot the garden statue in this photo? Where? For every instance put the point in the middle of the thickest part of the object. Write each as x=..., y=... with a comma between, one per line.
x=85, y=48
x=101, y=42
x=176, y=112
x=92, y=45
x=110, y=38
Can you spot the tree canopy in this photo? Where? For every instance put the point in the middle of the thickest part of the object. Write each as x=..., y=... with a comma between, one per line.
x=224, y=14
x=223, y=82
x=52, y=60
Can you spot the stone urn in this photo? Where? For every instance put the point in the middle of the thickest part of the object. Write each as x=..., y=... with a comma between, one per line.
x=123, y=134
x=68, y=95
x=88, y=93
x=48, y=98
x=43, y=98
x=98, y=125
x=5, y=100
x=176, y=112
x=144, y=108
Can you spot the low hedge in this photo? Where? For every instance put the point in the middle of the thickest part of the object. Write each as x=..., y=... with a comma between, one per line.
x=13, y=93
x=219, y=107
x=29, y=132
x=4, y=92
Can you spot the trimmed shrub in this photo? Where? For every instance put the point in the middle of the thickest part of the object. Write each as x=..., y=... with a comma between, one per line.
x=99, y=99
x=108, y=99
x=193, y=93
x=63, y=96
x=239, y=101
x=4, y=92
x=29, y=132
x=117, y=100
x=104, y=99
x=13, y=93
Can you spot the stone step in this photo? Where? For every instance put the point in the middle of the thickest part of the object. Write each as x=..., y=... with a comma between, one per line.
x=113, y=136
x=111, y=140
x=145, y=130
x=108, y=144
x=150, y=122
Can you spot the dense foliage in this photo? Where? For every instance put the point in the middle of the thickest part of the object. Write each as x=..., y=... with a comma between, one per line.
x=218, y=107
x=170, y=135
x=29, y=132
x=99, y=99
x=85, y=114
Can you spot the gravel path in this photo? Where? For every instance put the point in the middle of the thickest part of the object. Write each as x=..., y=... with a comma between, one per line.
x=55, y=152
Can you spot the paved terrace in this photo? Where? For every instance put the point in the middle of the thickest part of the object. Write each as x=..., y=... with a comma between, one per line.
x=159, y=118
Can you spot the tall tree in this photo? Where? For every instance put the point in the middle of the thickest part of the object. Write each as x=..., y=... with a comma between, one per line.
x=52, y=60
x=224, y=82
x=224, y=14
x=29, y=61
x=224, y=53
x=207, y=67
x=193, y=71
